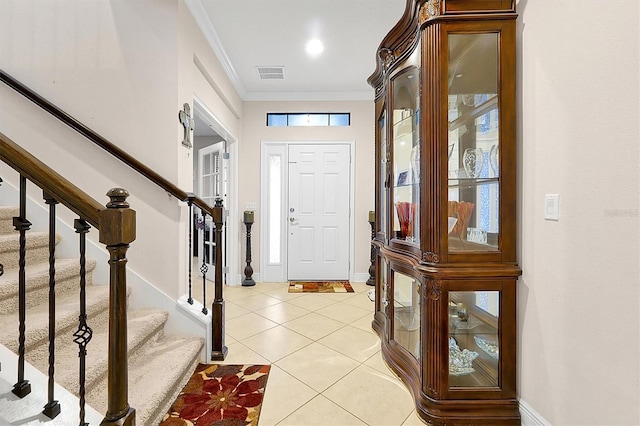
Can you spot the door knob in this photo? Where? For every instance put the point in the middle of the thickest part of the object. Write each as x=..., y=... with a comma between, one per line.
x=291, y=219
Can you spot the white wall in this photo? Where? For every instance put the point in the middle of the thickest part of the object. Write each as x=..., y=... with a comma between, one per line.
x=361, y=131
x=125, y=69
x=111, y=65
x=579, y=134
x=202, y=76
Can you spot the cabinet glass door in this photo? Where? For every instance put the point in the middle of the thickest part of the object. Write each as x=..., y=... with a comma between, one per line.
x=473, y=145
x=474, y=346
x=384, y=174
x=406, y=313
x=383, y=296
x=406, y=156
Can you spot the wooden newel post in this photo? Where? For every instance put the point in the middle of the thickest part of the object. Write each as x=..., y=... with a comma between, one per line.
x=248, y=280
x=218, y=349
x=117, y=230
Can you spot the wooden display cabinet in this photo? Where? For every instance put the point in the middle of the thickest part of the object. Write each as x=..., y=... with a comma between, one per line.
x=446, y=208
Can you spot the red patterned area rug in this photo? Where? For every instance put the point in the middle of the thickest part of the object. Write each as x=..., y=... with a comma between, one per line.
x=320, y=287
x=220, y=395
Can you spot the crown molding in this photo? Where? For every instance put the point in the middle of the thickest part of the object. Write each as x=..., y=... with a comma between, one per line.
x=200, y=15
x=309, y=96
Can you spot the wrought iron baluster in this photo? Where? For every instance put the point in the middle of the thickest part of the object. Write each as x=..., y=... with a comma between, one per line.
x=204, y=268
x=52, y=409
x=190, y=260
x=83, y=335
x=22, y=388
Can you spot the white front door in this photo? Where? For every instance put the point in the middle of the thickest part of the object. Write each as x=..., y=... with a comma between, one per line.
x=211, y=184
x=318, y=212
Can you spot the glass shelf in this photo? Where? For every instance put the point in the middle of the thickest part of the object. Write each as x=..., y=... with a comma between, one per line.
x=470, y=182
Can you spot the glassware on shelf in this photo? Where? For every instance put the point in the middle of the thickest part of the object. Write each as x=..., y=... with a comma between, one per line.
x=414, y=164
x=494, y=159
x=473, y=162
x=407, y=317
x=488, y=346
x=462, y=211
x=406, y=213
x=469, y=100
x=452, y=223
x=460, y=361
x=476, y=235
x=462, y=312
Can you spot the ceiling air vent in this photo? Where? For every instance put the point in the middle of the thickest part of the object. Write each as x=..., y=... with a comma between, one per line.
x=271, y=73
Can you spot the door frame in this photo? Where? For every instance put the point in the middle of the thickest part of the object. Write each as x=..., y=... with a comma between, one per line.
x=277, y=272
x=232, y=228
x=207, y=150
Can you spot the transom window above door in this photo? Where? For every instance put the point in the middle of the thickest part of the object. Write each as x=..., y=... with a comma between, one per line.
x=284, y=119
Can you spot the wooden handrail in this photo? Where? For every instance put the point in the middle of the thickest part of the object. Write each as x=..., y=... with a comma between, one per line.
x=44, y=177
x=103, y=143
x=117, y=225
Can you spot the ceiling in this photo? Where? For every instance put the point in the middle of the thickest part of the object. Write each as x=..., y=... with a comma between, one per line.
x=246, y=34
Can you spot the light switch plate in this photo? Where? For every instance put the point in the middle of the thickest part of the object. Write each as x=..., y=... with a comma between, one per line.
x=552, y=207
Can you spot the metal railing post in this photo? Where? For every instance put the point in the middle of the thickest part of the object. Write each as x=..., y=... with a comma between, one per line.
x=190, y=256
x=52, y=409
x=83, y=335
x=22, y=387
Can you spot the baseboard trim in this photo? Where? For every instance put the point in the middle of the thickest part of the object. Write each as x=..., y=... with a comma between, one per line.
x=531, y=417
x=360, y=277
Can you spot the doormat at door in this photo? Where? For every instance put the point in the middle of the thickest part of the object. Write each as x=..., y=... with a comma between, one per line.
x=320, y=287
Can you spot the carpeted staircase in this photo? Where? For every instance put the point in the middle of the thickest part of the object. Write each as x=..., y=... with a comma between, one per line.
x=159, y=365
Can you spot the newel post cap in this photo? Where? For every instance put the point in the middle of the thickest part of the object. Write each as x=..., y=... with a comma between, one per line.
x=117, y=221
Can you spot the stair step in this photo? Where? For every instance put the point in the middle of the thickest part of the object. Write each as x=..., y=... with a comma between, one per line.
x=67, y=309
x=6, y=219
x=156, y=377
x=159, y=365
x=37, y=282
x=37, y=248
x=143, y=325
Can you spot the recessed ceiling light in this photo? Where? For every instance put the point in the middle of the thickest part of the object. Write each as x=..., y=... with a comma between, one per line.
x=314, y=47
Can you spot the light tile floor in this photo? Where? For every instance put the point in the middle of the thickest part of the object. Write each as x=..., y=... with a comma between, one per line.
x=326, y=366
